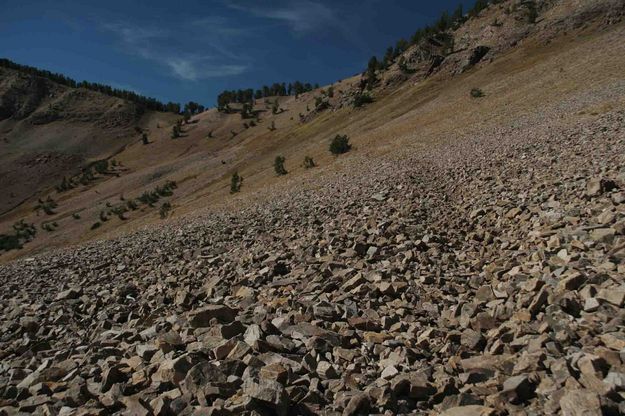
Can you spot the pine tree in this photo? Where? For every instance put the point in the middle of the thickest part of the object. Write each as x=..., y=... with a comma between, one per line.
x=235, y=183
x=478, y=7
x=278, y=165
x=340, y=144
x=458, y=14
x=444, y=22
x=175, y=131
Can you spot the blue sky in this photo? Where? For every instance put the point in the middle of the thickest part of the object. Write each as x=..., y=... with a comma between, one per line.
x=192, y=50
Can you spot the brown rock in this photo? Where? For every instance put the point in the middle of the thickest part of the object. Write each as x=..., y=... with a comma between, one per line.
x=470, y=410
x=359, y=404
x=580, y=403
x=200, y=318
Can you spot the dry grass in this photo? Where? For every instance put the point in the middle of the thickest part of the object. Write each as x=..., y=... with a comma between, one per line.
x=430, y=112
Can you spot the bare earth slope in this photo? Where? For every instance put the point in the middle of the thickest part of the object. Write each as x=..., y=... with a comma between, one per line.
x=466, y=258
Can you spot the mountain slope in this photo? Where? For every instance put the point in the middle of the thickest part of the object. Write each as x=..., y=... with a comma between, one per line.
x=48, y=130
x=525, y=64
x=466, y=257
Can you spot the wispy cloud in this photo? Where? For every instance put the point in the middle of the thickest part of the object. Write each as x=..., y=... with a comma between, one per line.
x=171, y=50
x=306, y=17
x=215, y=45
x=301, y=16
x=195, y=68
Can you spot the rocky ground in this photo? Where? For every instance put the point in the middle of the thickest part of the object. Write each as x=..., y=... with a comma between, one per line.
x=480, y=276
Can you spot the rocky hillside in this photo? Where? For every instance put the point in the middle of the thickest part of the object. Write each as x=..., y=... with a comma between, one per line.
x=38, y=100
x=478, y=278
x=89, y=166
x=464, y=258
x=49, y=130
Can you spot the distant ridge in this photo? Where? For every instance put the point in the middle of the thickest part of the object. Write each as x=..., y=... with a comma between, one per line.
x=146, y=103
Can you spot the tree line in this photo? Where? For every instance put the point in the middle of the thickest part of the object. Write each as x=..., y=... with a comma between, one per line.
x=444, y=23
x=193, y=108
x=248, y=95
x=144, y=102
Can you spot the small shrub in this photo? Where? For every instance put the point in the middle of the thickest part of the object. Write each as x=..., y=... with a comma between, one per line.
x=233, y=134
x=76, y=216
x=103, y=216
x=9, y=242
x=210, y=134
x=101, y=166
x=321, y=103
x=175, y=132
x=477, y=93
x=340, y=144
x=22, y=233
x=131, y=204
x=49, y=226
x=66, y=185
x=164, y=191
x=403, y=66
x=46, y=206
x=144, y=138
x=120, y=210
x=164, y=210
x=86, y=177
x=235, y=183
x=309, y=162
x=95, y=225
x=149, y=197
x=362, y=99
x=278, y=165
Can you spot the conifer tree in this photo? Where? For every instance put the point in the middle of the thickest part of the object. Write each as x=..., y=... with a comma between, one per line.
x=278, y=165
